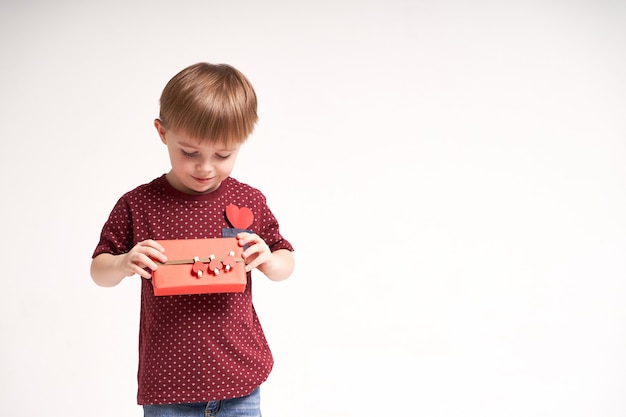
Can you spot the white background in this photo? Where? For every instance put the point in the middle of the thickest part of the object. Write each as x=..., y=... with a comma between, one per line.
x=451, y=173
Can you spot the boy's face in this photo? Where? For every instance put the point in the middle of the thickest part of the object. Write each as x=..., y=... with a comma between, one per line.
x=197, y=168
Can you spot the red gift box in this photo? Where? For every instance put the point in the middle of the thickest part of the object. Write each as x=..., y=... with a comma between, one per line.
x=200, y=266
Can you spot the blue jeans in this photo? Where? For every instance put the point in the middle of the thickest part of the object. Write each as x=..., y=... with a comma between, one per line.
x=249, y=406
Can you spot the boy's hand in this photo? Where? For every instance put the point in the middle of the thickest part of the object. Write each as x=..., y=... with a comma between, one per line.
x=140, y=257
x=257, y=254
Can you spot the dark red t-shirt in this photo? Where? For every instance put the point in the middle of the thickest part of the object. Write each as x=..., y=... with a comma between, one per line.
x=193, y=348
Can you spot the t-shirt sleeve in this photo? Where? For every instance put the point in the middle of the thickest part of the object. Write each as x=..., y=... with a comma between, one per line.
x=270, y=231
x=116, y=236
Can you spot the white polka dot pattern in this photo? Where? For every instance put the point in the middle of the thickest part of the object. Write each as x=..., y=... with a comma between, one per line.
x=193, y=348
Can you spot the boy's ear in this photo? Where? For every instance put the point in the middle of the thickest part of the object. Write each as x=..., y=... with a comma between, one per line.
x=161, y=129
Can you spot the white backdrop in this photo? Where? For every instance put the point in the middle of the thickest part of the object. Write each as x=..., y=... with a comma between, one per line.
x=451, y=173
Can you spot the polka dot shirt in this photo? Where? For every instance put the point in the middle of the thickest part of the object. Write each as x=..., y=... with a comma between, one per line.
x=193, y=348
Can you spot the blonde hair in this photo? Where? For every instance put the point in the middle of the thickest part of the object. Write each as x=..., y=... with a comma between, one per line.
x=210, y=102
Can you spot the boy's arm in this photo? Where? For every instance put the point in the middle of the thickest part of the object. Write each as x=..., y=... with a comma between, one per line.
x=277, y=265
x=280, y=266
x=108, y=270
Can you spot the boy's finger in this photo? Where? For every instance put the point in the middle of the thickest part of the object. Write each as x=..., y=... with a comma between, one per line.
x=154, y=244
x=159, y=256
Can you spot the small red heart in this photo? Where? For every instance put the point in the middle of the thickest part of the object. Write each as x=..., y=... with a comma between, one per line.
x=199, y=268
x=239, y=218
x=215, y=266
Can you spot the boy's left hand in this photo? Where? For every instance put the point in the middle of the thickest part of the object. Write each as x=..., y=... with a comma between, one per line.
x=257, y=253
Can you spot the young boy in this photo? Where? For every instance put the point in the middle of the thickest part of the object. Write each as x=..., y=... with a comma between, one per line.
x=206, y=353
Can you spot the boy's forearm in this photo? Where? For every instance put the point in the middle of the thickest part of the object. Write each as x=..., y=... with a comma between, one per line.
x=281, y=266
x=105, y=271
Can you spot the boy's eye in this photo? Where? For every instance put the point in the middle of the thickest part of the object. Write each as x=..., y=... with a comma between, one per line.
x=223, y=156
x=189, y=154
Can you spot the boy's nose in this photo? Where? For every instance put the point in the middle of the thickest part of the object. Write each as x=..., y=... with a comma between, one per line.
x=205, y=166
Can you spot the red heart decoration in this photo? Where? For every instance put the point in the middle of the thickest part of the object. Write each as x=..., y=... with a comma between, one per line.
x=215, y=266
x=199, y=268
x=239, y=218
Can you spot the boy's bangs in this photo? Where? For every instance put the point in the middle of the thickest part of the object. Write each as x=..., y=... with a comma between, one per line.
x=218, y=122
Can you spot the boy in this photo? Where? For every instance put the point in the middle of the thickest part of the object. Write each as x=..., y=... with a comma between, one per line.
x=198, y=354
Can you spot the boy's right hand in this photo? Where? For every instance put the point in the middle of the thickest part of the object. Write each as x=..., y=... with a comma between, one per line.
x=142, y=256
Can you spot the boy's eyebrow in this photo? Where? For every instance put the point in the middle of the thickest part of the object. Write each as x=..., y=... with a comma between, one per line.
x=189, y=145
